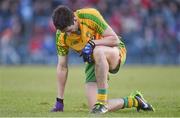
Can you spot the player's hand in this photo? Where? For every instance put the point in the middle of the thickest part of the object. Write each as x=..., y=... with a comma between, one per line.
x=87, y=52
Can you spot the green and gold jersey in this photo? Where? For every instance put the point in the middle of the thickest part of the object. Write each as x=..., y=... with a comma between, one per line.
x=91, y=26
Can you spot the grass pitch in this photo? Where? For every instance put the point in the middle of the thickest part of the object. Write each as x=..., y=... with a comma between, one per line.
x=30, y=91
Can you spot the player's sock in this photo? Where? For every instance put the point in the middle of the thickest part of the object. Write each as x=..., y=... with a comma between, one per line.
x=102, y=96
x=130, y=102
x=59, y=100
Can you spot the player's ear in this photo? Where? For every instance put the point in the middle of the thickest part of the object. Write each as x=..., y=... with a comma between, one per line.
x=75, y=19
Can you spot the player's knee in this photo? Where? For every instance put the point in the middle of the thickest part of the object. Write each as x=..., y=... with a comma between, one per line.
x=98, y=52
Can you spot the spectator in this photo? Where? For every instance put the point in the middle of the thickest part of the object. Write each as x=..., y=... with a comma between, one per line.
x=151, y=28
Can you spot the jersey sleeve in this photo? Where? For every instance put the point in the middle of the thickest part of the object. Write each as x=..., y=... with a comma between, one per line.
x=95, y=19
x=62, y=48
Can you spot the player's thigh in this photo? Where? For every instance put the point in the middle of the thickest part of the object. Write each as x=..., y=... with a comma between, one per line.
x=111, y=54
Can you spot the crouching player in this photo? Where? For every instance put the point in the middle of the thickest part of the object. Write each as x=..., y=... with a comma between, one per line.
x=86, y=32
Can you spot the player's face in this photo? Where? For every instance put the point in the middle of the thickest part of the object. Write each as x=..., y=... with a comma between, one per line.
x=72, y=28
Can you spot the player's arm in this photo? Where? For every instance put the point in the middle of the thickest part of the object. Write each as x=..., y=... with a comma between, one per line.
x=109, y=38
x=62, y=73
x=62, y=66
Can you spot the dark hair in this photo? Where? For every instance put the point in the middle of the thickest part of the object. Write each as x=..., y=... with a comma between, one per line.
x=62, y=17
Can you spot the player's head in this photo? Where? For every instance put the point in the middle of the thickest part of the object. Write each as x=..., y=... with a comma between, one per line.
x=64, y=19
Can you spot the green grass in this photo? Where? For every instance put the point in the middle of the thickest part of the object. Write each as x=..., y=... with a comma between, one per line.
x=31, y=91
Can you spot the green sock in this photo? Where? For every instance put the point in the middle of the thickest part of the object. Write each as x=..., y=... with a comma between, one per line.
x=102, y=95
x=130, y=102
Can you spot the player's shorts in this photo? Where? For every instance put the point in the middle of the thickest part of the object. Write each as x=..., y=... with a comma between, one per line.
x=90, y=68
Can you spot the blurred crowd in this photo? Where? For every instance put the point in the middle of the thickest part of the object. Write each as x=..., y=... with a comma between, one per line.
x=150, y=29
